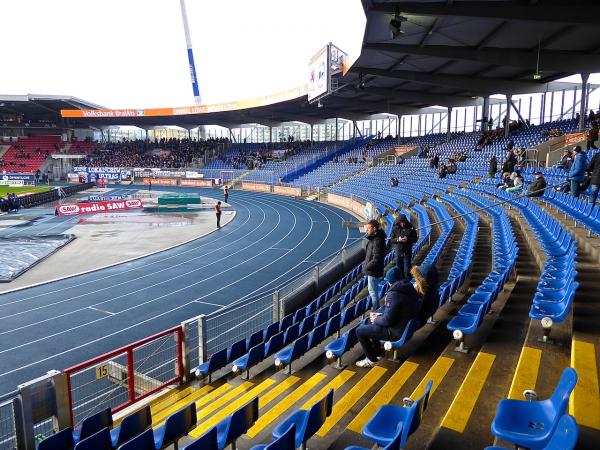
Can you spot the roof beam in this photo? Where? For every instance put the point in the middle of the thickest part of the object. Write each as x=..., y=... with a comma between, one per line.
x=562, y=11
x=471, y=85
x=515, y=57
x=421, y=97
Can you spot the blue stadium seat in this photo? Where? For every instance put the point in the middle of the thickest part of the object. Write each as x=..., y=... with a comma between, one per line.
x=287, y=441
x=393, y=445
x=333, y=325
x=271, y=331
x=216, y=362
x=176, y=426
x=63, y=440
x=253, y=357
x=274, y=345
x=322, y=317
x=286, y=322
x=93, y=424
x=316, y=336
x=307, y=422
x=299, y=315
x=338, y=347
x=409, y=330
x=131, y=426
x=291, y=334
x=236, y=350
x=254, y=339
x=307, y=325
x=532, y=424
x=382, y=427
x=143, y=441
x=98, y=441
x=208, y=441
x=236, y=425
x=564, y=438
x=291, y=353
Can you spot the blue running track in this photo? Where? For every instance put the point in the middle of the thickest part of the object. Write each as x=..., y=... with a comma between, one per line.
x=58, y=324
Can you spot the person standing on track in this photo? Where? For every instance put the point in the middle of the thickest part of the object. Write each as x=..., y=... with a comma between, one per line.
x=218, y=214
x=226, y=192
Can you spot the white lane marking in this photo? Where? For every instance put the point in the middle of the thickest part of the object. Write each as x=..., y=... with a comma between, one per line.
x=102, y=311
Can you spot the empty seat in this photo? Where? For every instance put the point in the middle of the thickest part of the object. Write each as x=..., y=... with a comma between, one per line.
x=236, y=425
x=143, y=441
x=63, y=440
x=216, y=362
x=208, y=441
x=98, y=441
x=131, y=426
x=176, y=426
x=287, y=441
x=93, y=424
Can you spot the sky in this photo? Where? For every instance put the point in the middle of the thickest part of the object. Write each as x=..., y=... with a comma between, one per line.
x=132, y=53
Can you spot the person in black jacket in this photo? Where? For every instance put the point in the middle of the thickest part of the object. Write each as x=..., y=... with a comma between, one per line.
x=493, y=167
x=403, y=237
x=509, y=162
x=538, y=187
x=594, y=169
x=402, y=303
x=374, y=259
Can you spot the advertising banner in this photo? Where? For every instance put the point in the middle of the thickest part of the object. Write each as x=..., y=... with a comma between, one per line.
x=161, y=181
x=23, y=177
x=197, y=183
x=98, y=207
x=108, y=173
x=256, y=187
x=575, y=138
x=401, y=149
x=285, y=190
x=12, y=183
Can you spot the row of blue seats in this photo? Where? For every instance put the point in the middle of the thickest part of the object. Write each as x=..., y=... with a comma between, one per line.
x=504, y=257
x=97, y=432
x=310, y=339
x=581, y=211
x=278, y=334
x=557, y=286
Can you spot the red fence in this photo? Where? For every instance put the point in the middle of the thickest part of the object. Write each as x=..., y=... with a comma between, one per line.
x=126, y=375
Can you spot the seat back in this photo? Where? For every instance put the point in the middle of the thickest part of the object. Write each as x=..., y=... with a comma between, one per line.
x=95, y=423
x=316, y=336
x=63, y=440
x=286, y=322
x=565, y=436
x=242, y=420
x=208, y=441
x=255, y=355
x=413, y=419
x=307, y=325
x=217, y=361
x=98, y=441
x=333, y=325
x=300, y=347
x=179, y=424
x=560, y=397
x=274, y=345
x=236, y=350
x=291, y=334
x=395, y=443
x=135, y=424
x=255, y=339
x=317, y=415
x=322, y=317
x=271, y=331
x=144, y=441
x=299, y=315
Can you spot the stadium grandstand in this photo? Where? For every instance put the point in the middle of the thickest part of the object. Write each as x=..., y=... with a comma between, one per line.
x=310, y=314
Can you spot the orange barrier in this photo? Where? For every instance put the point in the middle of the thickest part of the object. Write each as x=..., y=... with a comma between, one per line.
x=286, y=190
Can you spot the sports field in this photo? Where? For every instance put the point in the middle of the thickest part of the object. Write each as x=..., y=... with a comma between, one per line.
x=5, y=190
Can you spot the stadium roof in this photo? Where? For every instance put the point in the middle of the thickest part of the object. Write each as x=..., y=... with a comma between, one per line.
x=42, y=105
x=449, y=53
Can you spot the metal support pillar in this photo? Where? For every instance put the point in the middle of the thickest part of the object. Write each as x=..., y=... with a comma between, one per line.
x=582, y=106
x=448, y=133
x=507, y=124
x=485, y=113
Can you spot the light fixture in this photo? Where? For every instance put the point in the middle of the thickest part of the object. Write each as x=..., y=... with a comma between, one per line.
x=396, y=25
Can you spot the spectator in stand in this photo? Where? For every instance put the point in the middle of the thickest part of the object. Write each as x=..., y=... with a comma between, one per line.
x=577, y=172
x=394, y=181
x=374, y=259
x=443, y=171
x=506, y=182
x=592, y=116
x=510, y=162
x=451, y=167
x=402, y=303
x=593, y=169
x=434, y=162
x=592, y=137
x=538, y=187
x=402, y=238
x=493, y=168
x=517, y=180
x=565, y=161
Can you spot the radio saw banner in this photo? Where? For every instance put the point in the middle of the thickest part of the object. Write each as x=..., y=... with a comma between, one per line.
x=98, y=207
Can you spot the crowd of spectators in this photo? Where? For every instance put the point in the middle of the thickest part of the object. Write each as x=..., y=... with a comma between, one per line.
x=164, y=153
x=10, y=203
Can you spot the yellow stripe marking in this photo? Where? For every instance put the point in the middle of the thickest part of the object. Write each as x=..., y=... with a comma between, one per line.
x=384, y=395
x=334, y=384
x=349, y=400
x=460, y=410
x=202, y=395
x=277, y=391
x=584, y=404
x=174, y=397
x=526, y=372
x=231, y=408
x=437, y=373
x=223, y=400
x=276, y=411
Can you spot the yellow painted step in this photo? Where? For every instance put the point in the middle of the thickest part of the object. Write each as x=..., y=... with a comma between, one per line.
x=526, y=372
x=164, y=402
x=277, y=411
x=584, y=403
x=203, y=395
x=437, y=373
x=334, y=384
x=460, y=410
x=222, y=401
x=383, y=396
x=346, y=403
x=277, y=391
x=231, y=408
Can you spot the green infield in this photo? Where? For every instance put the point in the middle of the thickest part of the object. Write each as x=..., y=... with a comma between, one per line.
x=23, y=190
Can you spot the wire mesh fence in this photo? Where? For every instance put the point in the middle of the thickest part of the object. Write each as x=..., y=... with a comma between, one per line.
x=8, y=437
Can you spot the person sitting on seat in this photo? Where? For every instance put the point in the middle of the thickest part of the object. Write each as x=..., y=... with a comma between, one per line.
x=443, y=171
x=565, y=161
x=402, y=303
x=538, y=187
x=517, y=180
x=451, y=166
x=394, y=181
x=506, y=182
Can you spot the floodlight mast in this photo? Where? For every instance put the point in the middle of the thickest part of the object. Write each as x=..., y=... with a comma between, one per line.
x=190, y=53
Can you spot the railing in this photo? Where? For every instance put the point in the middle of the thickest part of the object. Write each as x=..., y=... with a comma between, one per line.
x=8, y=427
x=126, y=375
x=28, y=201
